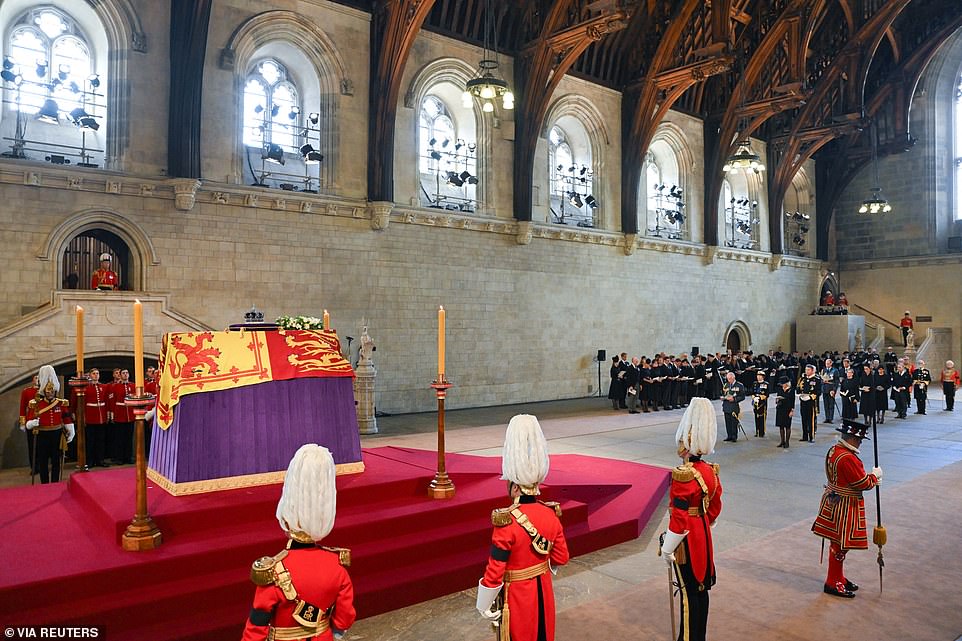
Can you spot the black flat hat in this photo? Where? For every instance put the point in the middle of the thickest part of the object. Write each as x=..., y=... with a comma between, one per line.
x=853, y=428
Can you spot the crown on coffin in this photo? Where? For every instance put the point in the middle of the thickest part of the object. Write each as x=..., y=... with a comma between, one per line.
x=254, y=316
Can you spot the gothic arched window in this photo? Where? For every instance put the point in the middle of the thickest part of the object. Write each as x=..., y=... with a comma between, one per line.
x=271, y=107
x=435, y=129
x=51, y=64
x=447, y=160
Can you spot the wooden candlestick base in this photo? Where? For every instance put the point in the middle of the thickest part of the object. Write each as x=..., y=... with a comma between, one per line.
x=441, y=487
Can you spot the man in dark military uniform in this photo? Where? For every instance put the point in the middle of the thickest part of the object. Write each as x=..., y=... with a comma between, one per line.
x=527, y=541
x=841, y=515
x=733, y=393
x=830, y=381
x=920, y=383
x=694, y=505
x=304, y=592
x=760, y=403
x=809, y=389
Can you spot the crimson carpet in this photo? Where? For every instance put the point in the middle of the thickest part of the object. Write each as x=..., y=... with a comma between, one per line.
x=63, y=564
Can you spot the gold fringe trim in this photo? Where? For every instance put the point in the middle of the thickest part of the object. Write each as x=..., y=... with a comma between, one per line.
x=235, y=482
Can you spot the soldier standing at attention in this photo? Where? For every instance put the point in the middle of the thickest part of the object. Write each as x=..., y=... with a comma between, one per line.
x=304, y=592
x=105, y=278
x=527, y=541
x=733, y=393
x=50, y=426
x=809, y=388
x=830, y=381
x=921, y=379
x=760, y=403
x=694, y=505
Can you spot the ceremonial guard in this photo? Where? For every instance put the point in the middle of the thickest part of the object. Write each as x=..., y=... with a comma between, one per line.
x=304, y=591
x=527, y=542
x=760, y=403
x=121, y=438
x=104, y=278
x=96, y=399
x=809, y=389
x=50, y=426
x=733, y=393
x=950, y=382
x=27, y=394
x=901, y=384
x=906, y=326
x=921, y=378
x=882, y=384
x=694, y=505
x=849, y=392
x=830, y=382
x=784, y=410
x=841, y=515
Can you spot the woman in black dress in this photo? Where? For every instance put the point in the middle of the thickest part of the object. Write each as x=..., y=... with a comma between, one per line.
x=849, y=393
x=615, y=388
x=882, y=384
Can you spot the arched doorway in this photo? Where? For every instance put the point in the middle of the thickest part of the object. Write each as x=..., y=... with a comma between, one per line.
x=81, y=258
x=733, y=342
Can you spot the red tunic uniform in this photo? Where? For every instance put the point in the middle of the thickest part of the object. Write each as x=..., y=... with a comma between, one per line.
x=104, y=279
x=688, y=514
x=116, y=397
x=96, y=399
x=319, y=580
x=841, y=516
x=512, y=553
x=27, y=394
x=52, y=414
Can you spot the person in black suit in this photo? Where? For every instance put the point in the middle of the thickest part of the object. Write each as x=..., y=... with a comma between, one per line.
x=623, y=375
x=848, y=391
x=901, y=386
x=632, y=378
x=733, y=393
x=784, y=410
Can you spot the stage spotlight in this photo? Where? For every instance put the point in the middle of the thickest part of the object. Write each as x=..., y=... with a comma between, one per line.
x=49, y=112
x=583, y=170
x=83, y=120
x=472, y=146
x=571, y=169
x=273, y=153
x=63, y=71
x=803, y=229
x=575, y=200
x=74, y=87
x=435, y=154
x=313, y=117
x=464, y=175
x=432, y=142
x=473, y=180
x=276, y=109
x=445, y=142
x=9, y=76
x=94, y=80
x=591, y=202
x=8, y=63
x=454, y=180
x=258, y=109
x=558, y=168
x=458, y=144
x=311, y=156
x=41, y=69
x=294, y=112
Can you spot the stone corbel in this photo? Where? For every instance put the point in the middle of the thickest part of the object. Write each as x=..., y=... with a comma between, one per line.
x=380, y=212
x=776, y=261
x=711, y=254
x=525, y=232
x=631, y=243
x=185, y=192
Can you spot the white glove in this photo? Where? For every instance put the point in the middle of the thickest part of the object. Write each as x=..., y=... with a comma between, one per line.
x=672, y=540
x=70, y=431
x=23, y=427
x=877, y=471
x=486, y=597
x=149, y=416
x=33, y=423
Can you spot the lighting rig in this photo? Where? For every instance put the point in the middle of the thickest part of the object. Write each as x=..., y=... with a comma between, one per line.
x=575, y=199
x=307, y=132
x=798, y=224
x=741, y=214
x=453, y=162
x=669, y=217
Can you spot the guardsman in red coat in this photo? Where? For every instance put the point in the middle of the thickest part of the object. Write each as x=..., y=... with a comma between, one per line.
x=304, y=592
x=122, y=431
x=27, y=394
x=104, y=278
x=841, y=516
x=694, y=505
x=527, y=543
x=50, y=425
x=96, y=406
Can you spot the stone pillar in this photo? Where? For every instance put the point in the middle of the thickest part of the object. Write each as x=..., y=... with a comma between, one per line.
x=364, y=377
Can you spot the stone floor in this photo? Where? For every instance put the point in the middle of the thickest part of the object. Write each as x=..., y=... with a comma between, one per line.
x=768, y=493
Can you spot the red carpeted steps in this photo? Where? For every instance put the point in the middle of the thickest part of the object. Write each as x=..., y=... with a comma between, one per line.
x=406, y=548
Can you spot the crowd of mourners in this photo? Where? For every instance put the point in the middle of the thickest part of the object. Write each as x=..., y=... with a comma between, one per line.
x=850, y=384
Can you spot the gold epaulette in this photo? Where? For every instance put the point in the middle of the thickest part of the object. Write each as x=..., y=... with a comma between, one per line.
x=343, y=555
x=501, y=516
x=683, y=474
x=554, y=505
x=262, y=570
x=32, y=403
x=715, y=467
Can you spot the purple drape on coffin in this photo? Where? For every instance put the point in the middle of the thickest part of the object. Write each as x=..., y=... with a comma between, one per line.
x=256, y=429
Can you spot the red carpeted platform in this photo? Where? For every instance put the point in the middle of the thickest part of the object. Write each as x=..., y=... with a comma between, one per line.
x=63, y=563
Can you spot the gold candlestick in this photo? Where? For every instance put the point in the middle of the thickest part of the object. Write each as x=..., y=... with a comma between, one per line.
x=441, y=487
x=142, y=533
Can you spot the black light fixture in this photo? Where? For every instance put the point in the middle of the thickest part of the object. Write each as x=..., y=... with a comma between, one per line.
x=591, y=202
x=294, y=112
x=487, y=84
x=435, y=154
x=454, y=179
x=311, y=156
x=8, y=63
x=273, y=153
x=49, y=112
x=83, y=120
x=41, y=69
x=803, y=229
x=464, y=175
x=73, y=87
x=473, y=180
x=276, y=109
x=258, y=109
x=63, y=71
x=7, y=73
x=94, y=80
x=314, y=118
x=575, y=200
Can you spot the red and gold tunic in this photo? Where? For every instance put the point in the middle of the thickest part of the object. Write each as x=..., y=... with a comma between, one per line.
x=118, y=394
x=51, y=413
x=104, y=279
x=841, y=516
x=523, y=570
x=27, y=394
x=321, y=588
x=694, y=502
x=96, y=399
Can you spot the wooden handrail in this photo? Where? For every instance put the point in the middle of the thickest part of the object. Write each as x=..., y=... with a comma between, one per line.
x=881, y=318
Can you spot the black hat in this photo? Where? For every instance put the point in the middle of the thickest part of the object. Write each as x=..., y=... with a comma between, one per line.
x=853, y=428
x=783, y=380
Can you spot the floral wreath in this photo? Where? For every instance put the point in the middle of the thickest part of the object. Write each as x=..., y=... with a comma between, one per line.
x=299, y=322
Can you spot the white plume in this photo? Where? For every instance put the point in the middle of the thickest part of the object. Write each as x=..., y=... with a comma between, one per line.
x=698, y=429
x=309, y=500
x=48, y=375
x=525, y=456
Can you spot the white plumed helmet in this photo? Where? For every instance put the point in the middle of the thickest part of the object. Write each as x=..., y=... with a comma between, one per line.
x=309, y=499
x=46, y=376
x=524, y=459
x=698, y=429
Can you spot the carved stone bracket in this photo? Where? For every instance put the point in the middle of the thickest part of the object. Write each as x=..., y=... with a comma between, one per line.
x=380, y=212
x=525, y=232
x=631, y=243
x=711, y=254
x=776, y=262
x=185, y=193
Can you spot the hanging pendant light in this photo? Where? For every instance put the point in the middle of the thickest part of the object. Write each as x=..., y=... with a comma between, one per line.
x=876, y=203
x=487, y=84
x=744, y=159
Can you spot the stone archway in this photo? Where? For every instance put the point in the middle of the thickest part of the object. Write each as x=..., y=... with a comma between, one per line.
x=737, y=337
